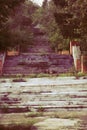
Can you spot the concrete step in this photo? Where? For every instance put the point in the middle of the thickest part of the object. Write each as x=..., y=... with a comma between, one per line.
x=37, y=63
x=49, y=97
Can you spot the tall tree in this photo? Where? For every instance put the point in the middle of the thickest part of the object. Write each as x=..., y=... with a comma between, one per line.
x=71, y=17
x=5, y=7
x=17, y=29
x=45, y=16
x=44, y=3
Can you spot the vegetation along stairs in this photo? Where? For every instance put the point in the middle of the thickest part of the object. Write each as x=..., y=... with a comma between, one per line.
x=38, y=59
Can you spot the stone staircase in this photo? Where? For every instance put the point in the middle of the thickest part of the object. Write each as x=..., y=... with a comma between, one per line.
x=50, y=94
x=38, y=59
x=36, y=63
x=59, y=98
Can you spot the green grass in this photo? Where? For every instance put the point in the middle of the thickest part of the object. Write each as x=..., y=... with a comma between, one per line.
x=27, y=121
x=41, y=109
x=41, y=75
x=66, y=75
x=80, y=74
x=18, y=121
x=34, y=114
x=17, y=127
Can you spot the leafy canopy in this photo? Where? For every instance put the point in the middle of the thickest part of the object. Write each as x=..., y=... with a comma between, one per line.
x=5, y=8
x=71, y=18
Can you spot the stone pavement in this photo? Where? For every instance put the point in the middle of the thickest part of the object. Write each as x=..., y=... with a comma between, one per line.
x=51, y=94
x=61, y=100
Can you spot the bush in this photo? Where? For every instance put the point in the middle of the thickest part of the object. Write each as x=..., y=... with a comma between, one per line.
x=17, y=127
x=19, y=80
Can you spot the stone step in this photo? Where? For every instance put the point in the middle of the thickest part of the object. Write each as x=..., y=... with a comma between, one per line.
x=27, y=63
x=48, y=97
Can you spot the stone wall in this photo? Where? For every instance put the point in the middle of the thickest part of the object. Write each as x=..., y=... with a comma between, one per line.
x=64, y=52
x=2, y=60
x=72, y=44
x=80, y=61
x=84, y=63
x=12, y=53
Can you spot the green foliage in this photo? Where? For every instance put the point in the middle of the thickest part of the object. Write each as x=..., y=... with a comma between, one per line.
x=71, y=18
x=17, y=127
x=5, y=39
x=5, y=35
x=38, y=16
x=17, y=30
x=41, y=109
x=62, y=3
x=67, y=22
x=55, y=37
x=5, y=7
x=44, y=3
x=22, y=38
x=56, y=40
x=4, y=108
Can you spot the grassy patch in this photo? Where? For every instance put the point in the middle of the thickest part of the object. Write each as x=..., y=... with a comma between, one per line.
x=41, y=109
x=33, y=114
x=80, y=74
x=17, y=121
x=27, y=121
x=66, y=75
x=18, y=127
x=41, y=75
x=68, y=115
x=19, y=80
